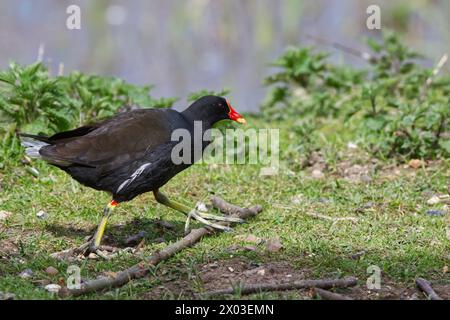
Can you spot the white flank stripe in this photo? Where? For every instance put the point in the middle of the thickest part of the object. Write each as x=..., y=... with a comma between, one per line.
x=135, y=174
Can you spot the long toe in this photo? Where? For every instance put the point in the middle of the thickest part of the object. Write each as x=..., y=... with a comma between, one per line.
x=220, y=218
x=203, y=220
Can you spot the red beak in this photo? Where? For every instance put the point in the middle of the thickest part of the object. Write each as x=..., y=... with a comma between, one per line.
x=233, y=115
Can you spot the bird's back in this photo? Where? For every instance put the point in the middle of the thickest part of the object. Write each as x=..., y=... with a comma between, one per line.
x=106, y=154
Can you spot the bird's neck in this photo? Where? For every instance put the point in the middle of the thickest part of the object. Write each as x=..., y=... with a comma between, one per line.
x=201, y=117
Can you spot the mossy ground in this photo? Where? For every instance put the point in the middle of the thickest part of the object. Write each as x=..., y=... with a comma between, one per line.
x=393, y=230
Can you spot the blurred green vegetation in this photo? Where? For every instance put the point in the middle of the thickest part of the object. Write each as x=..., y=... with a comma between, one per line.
x=33, y=101
x=398, y=108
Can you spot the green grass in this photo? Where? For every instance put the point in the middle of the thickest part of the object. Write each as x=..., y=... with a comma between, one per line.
x=395, y=233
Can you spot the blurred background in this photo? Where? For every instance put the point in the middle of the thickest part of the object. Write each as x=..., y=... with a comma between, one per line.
x=181, y=46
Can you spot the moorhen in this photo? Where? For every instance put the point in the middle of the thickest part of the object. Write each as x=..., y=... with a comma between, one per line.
x=131, y=153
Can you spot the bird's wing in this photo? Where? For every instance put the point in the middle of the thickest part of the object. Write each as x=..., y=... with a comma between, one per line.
x=124, y=138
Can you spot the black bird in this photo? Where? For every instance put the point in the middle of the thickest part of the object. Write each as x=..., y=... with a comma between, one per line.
x=131, y=153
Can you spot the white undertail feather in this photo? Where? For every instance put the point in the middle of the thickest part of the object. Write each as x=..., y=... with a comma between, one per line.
x=32, y=146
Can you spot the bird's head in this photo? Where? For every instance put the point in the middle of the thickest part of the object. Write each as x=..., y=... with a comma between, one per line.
x=213, y=109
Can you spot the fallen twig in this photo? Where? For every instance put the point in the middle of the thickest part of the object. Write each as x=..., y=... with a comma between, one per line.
x=319, y=216
x=231, y=209
x=141, y=269
x=437, y=69
x=301, y=284
x=433, y=75
x=333, y=219
x=328, y=295
x=425, y=286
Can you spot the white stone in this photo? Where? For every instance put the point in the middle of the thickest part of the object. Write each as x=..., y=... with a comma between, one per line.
x=53, y=288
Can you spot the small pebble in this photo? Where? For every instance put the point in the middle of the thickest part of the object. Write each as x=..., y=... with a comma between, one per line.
x=415, y=163
x=274, y=245
x=323, y=200
x=26, y=274
x=201, y=207
x=5, y=214
x=92, y=256
x=42, y=214
x=51, y=271
x=433, y=200
x=317, y=174
x=53, y=288
x=261, y=272
x=368, y=205
x=435, y=212
x=297, y=199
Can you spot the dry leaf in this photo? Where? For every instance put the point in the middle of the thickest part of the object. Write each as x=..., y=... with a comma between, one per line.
x=4, y=215
x=110, y=274
x=248, y=238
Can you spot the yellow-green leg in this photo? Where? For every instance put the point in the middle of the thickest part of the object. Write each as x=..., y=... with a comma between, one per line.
x=96, y=241
x=192, y=213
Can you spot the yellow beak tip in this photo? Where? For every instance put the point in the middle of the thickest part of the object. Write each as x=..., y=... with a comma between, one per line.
x=241, y=120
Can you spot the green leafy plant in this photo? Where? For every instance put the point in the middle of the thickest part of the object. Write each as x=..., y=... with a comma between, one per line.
x=97, y=97
x=394, y=109
x=28, y=96
x=33, y=101
x=307, y=85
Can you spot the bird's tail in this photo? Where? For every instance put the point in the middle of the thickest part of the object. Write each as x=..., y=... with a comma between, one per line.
x=33, y=144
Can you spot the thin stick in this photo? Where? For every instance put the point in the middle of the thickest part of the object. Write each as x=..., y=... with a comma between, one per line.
x=319, y=216
x=40, y=55
x=437, y=69
x=333, y=219
x=295, y=285
x=433, y=75
x=425, y=286
x=328, y=295
x=143, y=268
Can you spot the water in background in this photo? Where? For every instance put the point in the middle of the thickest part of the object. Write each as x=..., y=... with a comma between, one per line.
x=182, y=46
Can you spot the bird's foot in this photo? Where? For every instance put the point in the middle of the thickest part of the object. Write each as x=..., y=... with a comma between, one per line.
x=89, y=250
x=204, y=217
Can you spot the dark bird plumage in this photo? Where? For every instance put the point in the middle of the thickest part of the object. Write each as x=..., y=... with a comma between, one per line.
x=130, y=153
